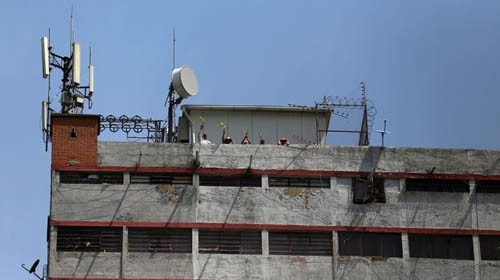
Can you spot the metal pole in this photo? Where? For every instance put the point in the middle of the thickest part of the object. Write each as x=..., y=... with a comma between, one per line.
x=171, y=104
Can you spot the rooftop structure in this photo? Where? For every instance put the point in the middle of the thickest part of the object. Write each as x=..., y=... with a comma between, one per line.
x=269, y=123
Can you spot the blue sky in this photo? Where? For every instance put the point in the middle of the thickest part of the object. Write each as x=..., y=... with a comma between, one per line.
x=431, y=68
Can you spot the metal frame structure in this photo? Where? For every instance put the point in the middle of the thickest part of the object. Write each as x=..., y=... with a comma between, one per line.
x=135, y=127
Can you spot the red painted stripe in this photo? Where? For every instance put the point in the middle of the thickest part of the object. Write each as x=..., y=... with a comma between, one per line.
x=280, y=172
x=278, y=227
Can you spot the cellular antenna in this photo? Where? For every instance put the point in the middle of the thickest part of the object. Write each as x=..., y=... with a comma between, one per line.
x=73, y=94
x=91, y=76
x=383, y=132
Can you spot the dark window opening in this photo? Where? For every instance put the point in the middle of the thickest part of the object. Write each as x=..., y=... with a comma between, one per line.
x=159, y=240
x=490, y=247
x=488, y=186
x=84, y=239
x=436, y=185
x=299, y=182
x=457, y=247
x=230, y=242
x=91, y=178
x=369, y=244
x=159, y=178
x=366, y=191
x=300, y=243
x=231, y=181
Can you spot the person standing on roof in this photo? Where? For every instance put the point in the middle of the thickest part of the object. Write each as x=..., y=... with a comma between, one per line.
x=203, y=138
x=245, y=140
x=226, y=139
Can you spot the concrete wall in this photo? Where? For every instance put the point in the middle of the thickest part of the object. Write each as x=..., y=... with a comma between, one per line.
x=123, y=202
x=360, y=268
x=421, y=269
x=328, y=158
x=295, y=206
x=269, y=205
x=158, y=265
x=85, y=264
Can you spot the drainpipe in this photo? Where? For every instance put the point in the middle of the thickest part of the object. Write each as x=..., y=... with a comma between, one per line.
x=192, y=138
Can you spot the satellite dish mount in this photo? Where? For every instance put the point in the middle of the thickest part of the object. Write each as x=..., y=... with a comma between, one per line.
x=32, y=269
x=185, y=84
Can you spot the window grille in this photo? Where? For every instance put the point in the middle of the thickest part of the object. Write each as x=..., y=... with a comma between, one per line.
x=230, y=242
x=300, y=243
x=436, y=185
x=89, y=239
x=231, y=181
x=144, y=240
x=369, y=244
x=91, y=178
x=490, y=247
x=366, y=191
x=441, y=246
x=300, y=182
x=159, y=178
x=488, y=186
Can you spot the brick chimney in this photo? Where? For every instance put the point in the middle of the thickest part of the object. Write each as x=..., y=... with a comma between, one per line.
x=74, y=140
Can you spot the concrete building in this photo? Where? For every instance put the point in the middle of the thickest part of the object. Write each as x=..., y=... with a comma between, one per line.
x=126, y=210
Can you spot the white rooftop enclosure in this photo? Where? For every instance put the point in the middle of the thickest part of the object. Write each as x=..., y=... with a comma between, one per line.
x=298, y=125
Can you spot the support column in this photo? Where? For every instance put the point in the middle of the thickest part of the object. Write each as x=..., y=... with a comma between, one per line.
x=333, y=183
x=265, y=182
x=52, y=249
x=194, y=252
x=472, y=199
x=126, y=178
x=265, y=243
x=405, y=245
x=123, y=262
x=335, y=251
x=402, y=184
x=196, y=180
x=196, y=201
x=404, y=210
x=265, y=254
x=477, y=257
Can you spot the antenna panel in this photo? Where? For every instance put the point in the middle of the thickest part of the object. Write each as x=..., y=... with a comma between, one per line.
x=185, y=82
x=76, y=64
x=45, y=116
x=91, y=79
x=45, y=57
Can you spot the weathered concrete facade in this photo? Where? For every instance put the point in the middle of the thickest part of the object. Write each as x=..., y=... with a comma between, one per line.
x=269, y=208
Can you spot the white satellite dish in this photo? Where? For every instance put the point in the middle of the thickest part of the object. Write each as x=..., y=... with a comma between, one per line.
x=184, y=82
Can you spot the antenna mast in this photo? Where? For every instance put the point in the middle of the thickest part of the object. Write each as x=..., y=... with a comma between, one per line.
x=332, y=104
x=185, y=84
x=364, y=139
x=73, y=94
x=71, y=34
x=173, y=50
